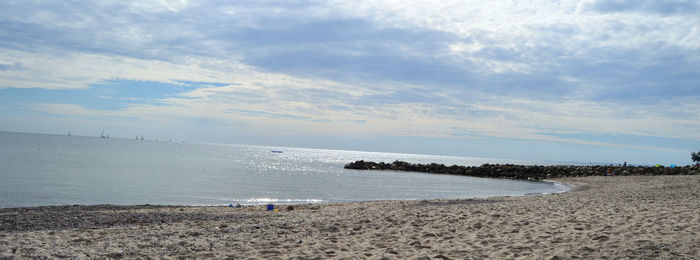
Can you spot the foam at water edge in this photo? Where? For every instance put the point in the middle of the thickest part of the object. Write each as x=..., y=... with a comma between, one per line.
x=563, y=187
x=261, y=201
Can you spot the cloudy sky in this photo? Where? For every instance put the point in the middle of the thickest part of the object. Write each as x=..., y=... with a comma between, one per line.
x=592, y=80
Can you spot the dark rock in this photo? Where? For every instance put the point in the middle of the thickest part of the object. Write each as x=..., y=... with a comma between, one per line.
x=524, y=172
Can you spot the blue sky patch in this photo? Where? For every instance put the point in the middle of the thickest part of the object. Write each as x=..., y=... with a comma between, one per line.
x=110, y=95
x=634, y=140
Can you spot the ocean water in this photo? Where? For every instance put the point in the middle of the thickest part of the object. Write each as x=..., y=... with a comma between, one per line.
x=39, y=169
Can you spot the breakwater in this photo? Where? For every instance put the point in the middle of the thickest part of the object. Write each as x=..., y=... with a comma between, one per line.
x=525, y=172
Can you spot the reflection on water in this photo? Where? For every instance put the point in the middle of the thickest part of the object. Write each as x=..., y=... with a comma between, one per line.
x=57, y=170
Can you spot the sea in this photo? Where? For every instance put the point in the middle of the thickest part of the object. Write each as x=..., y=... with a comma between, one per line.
x=43, y=170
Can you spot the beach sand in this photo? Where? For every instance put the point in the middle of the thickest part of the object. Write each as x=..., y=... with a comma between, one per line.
x=633, y=217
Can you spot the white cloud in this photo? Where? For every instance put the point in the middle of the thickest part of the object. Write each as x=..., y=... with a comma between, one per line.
x=495, y=68
x=531, y=27
x=160, y=5
x=493, y=116
x=657, y=7
x=55, y=69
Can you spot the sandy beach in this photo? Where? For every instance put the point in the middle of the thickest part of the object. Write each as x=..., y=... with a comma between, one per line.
x=635, y=217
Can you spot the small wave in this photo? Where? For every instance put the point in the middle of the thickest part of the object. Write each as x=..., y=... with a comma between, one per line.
x=258, y=201
x=561, y=187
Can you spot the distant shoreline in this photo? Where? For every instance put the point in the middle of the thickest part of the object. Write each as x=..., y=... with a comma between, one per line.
x=525, y=172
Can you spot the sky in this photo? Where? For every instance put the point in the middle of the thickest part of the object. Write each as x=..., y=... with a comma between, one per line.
x=583, y=81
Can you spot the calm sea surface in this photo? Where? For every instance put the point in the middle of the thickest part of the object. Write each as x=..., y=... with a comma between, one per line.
x=37, y=170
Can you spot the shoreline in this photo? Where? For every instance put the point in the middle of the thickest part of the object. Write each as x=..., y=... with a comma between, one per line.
x=570, y=188
x=282, y=203
x=604, y=217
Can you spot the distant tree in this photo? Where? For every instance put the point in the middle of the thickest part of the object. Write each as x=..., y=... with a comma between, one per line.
x=695, y=156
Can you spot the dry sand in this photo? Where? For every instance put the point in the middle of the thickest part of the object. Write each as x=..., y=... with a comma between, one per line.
x=633, y=217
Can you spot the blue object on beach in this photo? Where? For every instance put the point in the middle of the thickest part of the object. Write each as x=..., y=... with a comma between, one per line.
x=230, y=205
x=672, y=166
x=270, y=207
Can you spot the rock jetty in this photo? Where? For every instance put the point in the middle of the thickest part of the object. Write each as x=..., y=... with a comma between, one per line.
x=525, y=172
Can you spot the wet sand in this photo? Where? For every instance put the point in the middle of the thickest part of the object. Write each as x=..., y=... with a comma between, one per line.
x=605, y=217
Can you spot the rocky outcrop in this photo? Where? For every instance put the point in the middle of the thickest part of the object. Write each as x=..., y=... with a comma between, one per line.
x=524, y=172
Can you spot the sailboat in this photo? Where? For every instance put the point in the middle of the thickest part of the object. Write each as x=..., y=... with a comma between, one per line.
x=102, y=135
